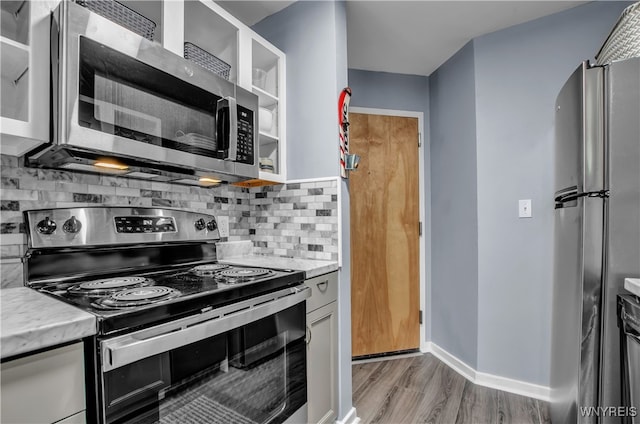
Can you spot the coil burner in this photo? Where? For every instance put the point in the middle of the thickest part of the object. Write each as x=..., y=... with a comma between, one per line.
x=135, y=297
x=108, y=286
x=208, y=270
x=242, y=275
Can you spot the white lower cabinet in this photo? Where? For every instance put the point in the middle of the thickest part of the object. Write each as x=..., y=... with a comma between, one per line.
x=47, y=387
x=322, y=349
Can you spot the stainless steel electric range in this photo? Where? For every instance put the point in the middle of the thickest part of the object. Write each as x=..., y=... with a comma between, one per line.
x=180, y=337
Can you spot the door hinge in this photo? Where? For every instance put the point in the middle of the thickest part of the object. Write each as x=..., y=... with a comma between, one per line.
x=419, y=139
x=420, y=316
x=420, y=228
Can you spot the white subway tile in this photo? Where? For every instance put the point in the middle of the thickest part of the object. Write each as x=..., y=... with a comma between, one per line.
x=13, y=194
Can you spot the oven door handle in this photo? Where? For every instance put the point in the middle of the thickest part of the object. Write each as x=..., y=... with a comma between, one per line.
x=133, y=347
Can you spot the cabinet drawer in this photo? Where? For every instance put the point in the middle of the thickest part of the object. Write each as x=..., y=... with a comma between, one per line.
x=324, y=289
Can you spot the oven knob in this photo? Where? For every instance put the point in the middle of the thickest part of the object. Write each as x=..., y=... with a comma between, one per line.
x=72, y=225
x=46, y=226
x=200, y=224
x=212, y=225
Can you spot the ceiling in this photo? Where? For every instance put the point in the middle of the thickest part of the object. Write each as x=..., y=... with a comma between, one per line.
x=412, y=37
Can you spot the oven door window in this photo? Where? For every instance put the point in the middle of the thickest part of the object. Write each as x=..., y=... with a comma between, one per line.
x=122, y=96
x=251, y=374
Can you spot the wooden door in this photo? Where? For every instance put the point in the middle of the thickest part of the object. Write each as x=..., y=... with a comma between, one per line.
x=385, y=295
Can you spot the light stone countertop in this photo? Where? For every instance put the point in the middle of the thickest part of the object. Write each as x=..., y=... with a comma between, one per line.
x=240, y=253
x=632, y=285
x=311, y=267
x=32, y=321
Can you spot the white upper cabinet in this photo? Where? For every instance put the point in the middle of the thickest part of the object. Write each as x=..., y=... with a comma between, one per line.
x=188, y=28
x=235, y=52
x=215, y=36
x=24, y=66
x=153, y=11
x=267, y=81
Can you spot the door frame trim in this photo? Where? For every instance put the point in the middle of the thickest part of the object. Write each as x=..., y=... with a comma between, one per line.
x=424, y=212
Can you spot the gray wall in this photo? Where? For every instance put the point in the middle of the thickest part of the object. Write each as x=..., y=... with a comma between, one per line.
x=313, y=34
x=518, y=74
x=492, y=111
x=491, y=132
x=454, y=225
x=306, y=32
x=385, y=90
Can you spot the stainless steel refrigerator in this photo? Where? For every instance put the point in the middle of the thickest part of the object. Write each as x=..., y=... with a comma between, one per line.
x=597, y=235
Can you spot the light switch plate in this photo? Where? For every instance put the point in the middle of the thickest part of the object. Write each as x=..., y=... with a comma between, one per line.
x=223, y=226
x=524, y=208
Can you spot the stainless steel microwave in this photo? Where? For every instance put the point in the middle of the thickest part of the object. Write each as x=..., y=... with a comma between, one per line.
x=125, y=105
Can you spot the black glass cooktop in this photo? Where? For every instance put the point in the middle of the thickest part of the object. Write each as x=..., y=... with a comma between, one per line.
x=136, y=301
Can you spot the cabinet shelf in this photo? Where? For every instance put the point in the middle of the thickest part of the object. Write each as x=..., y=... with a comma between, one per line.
x=12, y=6
x=15, y=79
x=15, y=58
x=269, y=150
x=210, y=31
x=15, y=20
x=150, y=9
x=270, y=177
x=264, y=67
x=265, y=99
x=24, y=69
x=266, y=138
x=267, y=76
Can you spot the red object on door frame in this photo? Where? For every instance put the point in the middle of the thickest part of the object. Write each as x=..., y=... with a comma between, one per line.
x=343, y=125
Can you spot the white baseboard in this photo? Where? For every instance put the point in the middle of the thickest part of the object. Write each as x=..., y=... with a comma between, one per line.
x=350, y=418
x=454, y=363
x=489, y=380
x=518, y=387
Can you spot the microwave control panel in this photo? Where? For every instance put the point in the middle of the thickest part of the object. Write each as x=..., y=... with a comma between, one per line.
x=245, y=153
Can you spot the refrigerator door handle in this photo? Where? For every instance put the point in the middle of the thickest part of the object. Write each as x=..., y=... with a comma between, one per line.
x=572, y=196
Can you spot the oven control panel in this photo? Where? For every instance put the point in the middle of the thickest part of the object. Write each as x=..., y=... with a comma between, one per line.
x=115, y=225
x=145, y=224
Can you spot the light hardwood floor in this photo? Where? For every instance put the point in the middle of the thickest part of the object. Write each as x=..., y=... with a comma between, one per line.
x=422, y=389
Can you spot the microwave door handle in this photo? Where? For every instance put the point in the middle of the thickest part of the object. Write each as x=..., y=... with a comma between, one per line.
x=233, y=129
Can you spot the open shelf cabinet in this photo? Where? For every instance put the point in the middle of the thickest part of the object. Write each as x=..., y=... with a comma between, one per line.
x=254, y=64
x=24, y=72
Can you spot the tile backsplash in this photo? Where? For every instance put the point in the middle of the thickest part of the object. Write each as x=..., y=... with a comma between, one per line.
x=295, y=220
